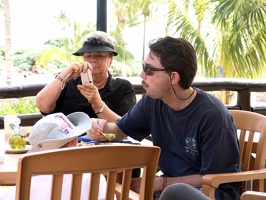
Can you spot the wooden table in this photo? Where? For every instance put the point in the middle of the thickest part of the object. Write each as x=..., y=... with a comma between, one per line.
x=8, y=169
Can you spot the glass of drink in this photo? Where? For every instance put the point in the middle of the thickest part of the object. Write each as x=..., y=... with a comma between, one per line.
x=9, y=125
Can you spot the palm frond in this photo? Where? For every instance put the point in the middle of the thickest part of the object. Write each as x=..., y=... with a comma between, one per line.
x=187, y=30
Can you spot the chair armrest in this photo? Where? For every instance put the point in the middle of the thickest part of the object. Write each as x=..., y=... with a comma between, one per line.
x=210, y=182
x=132, y=195
x=252, y=195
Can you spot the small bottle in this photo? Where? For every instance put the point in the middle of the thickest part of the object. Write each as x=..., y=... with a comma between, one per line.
x=17, y=141
x=16, y=123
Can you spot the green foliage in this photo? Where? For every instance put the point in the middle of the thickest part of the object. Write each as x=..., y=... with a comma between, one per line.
x=51, y=53
x=24, y=59
x=18, y=106
x=226, y=33
x=132, y=67
x=77, y=30
x=124, y=56
x=58, y=42
x=55, y=66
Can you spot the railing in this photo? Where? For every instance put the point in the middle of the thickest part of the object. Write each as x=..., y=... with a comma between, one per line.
x=242, y=87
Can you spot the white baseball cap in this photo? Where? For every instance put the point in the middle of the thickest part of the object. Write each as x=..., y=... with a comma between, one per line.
x=55, y=130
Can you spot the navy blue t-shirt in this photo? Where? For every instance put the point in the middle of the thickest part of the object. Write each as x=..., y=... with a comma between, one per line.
x=200, y=139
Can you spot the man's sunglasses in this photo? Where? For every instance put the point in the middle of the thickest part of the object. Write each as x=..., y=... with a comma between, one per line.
x=148, y=69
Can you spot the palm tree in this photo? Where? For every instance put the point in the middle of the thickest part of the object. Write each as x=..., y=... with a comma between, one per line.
x=132, y=13
x=8, y=41
x=128, y=13
x=64, y=47
x=227, y=35
x=243, y=45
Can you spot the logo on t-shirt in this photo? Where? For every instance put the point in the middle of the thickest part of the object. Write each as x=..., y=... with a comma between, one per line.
x=191, y=145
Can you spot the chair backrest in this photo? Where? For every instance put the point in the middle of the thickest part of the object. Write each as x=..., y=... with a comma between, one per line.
x=109, y=160
x=252, y=139
x=251, y=129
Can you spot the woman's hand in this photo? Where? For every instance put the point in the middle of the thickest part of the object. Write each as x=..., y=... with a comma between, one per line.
x=74, y=70
x=91, y=93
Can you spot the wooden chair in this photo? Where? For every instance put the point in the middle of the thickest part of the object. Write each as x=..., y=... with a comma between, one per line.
x=100, y=159
x=252, y=195
x=252, y=140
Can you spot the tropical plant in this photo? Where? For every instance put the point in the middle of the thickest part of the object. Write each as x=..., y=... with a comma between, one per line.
x=129, y=14
x=18, y=106
x=62, y=48
x=24, y=59
x=123, y=55
x=229, y=36
x=132, y=13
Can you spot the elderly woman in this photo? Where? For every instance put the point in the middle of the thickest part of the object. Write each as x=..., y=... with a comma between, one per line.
x=107, y=98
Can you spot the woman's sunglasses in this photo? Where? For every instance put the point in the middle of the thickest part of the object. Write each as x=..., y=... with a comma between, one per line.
x=148, y=69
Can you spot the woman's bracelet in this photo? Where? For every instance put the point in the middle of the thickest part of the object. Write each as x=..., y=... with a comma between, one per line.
x=63, y=80
x=101, y=109
x=59, y=77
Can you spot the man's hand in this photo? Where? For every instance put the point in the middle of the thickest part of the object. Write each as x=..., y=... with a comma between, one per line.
x=135, y=185
x=98, y=126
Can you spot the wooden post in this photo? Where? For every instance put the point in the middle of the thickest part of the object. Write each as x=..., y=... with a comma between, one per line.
x=244, y=99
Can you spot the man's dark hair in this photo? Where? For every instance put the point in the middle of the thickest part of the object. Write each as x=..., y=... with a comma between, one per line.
x=176, y=54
